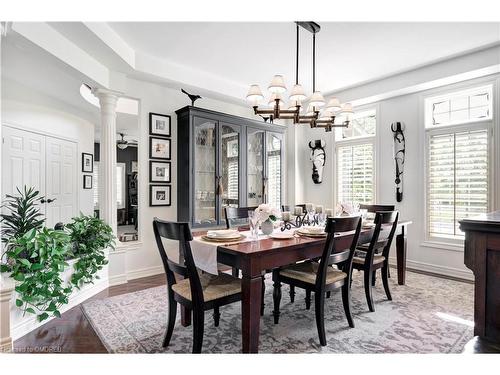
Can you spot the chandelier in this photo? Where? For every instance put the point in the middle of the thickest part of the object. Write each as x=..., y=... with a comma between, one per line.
x=313, y=115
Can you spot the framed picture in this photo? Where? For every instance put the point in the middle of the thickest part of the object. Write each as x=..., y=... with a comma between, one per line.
x=159, y=171
x=159, y=195
x=87, y=181
x=159, y=124
x=159, y=148
x=87, y=162
x=134, y=167
x=232, y=148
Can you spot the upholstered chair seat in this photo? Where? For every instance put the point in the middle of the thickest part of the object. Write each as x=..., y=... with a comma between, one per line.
x=307, y=272
x=376, y=259
x=213, y=286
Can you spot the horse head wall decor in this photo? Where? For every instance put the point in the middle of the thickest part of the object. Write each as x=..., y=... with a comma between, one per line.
x=318, y=158
x=399, y=156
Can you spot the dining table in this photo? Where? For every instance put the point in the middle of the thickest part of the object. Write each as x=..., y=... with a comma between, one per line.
x=258, y=256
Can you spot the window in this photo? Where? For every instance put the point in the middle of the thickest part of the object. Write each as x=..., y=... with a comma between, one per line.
x=355, y=162
x=459, y=107
x=120, y=185
x=457, y=160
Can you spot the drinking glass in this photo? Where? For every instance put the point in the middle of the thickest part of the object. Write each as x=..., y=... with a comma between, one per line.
x=322, y=219
x=253, y=220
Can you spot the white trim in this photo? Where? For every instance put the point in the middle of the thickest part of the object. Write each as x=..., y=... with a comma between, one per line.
x=439, y=244
x=145, y=272
x=490, y=125
x=439, y=270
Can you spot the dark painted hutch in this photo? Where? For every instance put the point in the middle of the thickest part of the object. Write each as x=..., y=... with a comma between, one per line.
x=225, y=160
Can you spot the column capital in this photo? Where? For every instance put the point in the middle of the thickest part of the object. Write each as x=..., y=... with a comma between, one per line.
x=106, y=96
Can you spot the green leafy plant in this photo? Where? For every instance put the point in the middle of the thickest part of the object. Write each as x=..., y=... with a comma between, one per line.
x=90, y=237
x=24, y=214
x=40, y=289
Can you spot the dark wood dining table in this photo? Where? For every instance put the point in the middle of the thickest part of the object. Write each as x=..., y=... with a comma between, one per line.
x=255, y=257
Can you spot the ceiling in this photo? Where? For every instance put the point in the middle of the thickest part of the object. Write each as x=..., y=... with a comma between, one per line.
x=348, y=53
x=31, y=74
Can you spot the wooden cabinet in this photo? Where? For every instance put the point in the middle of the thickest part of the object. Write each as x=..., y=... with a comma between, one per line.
x=225, y=160
x=482, y=256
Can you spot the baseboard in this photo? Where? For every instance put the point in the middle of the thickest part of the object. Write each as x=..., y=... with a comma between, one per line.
x=145, y=272
x=29, y=323
x=437, y=269
x=118, y=280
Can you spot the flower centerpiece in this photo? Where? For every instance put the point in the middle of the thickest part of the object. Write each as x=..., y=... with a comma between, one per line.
x=346, y=208
x=267, y=216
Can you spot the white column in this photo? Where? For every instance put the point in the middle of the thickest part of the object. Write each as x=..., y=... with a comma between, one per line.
x=107, y=161
x=6, y=290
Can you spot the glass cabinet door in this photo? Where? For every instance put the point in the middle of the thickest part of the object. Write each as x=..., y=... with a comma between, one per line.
x=204, y=172
x=229, y=180
x=274, y=145
x=255, y=167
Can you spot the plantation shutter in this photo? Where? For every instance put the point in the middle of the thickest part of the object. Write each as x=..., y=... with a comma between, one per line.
x=355, y=178
x=458, y=180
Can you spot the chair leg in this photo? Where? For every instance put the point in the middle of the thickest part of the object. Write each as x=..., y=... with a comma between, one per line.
x=292, y=293
x=198, y=327
x=308, y=299
x=172, y=314
x=263, y=293
x=374, y=277
x=216, y=316
x=328, y=294
x=276, y=299
x=346, y=301
x=388, y=272
x=385, y=281
x=235, y=272
x=368, y=289
x=319, y=305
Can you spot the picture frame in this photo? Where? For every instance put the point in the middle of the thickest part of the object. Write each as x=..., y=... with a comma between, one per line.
x=233, y=148
x=159, y=148
x=159, y=124
x=134, y=167
x=87, y=181
x=160, y=195
x=160, y=171
x=87, y=163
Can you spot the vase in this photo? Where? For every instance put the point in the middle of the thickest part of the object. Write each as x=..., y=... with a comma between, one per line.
x=267, y=227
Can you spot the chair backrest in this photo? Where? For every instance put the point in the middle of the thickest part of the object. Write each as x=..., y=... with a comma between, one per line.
x=182, y=233
x=377, y=207
x=330, y=255
x=234, y=213
x=383, y=218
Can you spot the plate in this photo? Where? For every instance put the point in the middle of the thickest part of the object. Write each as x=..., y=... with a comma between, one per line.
x=225, y=240
x=281, y=236
x=368, y=225
x=223, y=233
x=309, y=234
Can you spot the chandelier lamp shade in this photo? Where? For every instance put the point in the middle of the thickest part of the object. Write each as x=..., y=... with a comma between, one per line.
x=319, y=114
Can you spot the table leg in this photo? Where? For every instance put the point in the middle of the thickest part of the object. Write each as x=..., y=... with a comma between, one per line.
x=185, y=316
x=251, y=290
x=401, y=255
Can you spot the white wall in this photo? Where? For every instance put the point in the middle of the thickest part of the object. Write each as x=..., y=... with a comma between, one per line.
x=143, y=259
x=408, y=108
x=47, y=120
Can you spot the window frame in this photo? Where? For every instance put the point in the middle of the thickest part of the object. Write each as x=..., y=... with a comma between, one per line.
x=359, y=140
x=456, y=243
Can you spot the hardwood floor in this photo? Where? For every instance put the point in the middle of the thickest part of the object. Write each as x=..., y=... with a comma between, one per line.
x=72, y=333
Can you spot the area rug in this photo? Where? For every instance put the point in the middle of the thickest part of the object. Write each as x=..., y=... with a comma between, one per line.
x=427, y=315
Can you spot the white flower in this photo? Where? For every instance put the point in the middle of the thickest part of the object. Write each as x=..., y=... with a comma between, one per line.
x=264, y=211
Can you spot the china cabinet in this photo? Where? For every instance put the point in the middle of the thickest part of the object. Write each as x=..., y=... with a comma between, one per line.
x=225, y=160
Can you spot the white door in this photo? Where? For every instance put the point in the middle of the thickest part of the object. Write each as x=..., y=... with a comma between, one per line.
x=47, y=163
x=23, y=161
x=61, y=185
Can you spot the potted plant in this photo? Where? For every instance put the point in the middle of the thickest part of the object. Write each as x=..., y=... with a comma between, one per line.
x=267, y=216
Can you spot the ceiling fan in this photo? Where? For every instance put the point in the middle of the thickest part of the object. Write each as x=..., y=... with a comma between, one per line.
x=122, y=143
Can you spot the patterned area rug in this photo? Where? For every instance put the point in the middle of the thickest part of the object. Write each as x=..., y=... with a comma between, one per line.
x=427, y=315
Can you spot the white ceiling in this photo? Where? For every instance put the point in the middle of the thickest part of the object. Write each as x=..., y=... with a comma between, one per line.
x=30, y=74
x=347, y=53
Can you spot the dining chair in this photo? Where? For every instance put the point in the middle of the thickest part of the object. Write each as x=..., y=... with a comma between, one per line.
x=196, y=291
x=320, y=277
x=232, y=214
x=373, y=208
x=373, y=261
